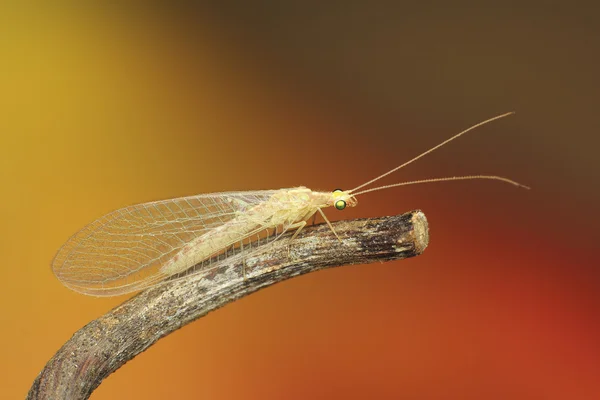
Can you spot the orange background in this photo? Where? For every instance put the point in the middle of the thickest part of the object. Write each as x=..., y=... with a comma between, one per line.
x=105, y=107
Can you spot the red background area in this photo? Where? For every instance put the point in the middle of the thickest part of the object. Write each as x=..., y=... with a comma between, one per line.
x=101, y=108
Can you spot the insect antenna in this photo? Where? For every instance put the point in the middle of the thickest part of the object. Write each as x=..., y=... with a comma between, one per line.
x=453, y=178
x=448, y=178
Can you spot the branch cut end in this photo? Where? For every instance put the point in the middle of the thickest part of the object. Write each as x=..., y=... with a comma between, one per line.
x=420, y=231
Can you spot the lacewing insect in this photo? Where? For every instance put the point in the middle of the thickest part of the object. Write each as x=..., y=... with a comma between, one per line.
x=139, y=246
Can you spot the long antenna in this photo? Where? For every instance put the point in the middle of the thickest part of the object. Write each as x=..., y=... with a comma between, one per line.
x=432, y=149
x=449, y=178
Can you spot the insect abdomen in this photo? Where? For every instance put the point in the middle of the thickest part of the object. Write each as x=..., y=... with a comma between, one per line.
x=207, y=245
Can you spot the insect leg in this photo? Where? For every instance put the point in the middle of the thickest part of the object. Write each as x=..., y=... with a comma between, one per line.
x=298, y=225
x=243, y=259
x=329, y=223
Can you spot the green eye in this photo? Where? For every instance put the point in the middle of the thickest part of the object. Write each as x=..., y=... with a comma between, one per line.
x=337, y=190
x=340, y=204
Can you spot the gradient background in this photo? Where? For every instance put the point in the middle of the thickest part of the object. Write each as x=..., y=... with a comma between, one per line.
x=104, y=107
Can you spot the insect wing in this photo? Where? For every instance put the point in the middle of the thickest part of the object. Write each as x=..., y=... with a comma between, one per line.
x=123, y=251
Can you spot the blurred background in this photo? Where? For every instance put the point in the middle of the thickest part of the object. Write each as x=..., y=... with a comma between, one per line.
x=103, y=106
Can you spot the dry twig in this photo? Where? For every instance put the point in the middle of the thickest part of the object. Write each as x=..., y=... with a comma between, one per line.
x=105, y=344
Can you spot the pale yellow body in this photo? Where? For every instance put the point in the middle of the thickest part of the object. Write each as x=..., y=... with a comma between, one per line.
x=139, y=246
x=288, y=208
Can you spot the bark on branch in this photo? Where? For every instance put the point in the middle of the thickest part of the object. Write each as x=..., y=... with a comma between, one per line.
x=105, y=344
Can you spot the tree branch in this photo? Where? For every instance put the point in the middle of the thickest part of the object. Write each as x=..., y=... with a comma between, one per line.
x=105, y=344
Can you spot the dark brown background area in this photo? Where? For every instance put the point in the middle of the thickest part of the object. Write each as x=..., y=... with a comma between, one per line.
x=372, y=64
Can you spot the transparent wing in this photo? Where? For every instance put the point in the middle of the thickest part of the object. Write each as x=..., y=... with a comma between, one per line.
x=123, y=251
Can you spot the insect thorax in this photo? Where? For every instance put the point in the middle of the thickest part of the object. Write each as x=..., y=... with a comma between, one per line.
x=291, y=205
